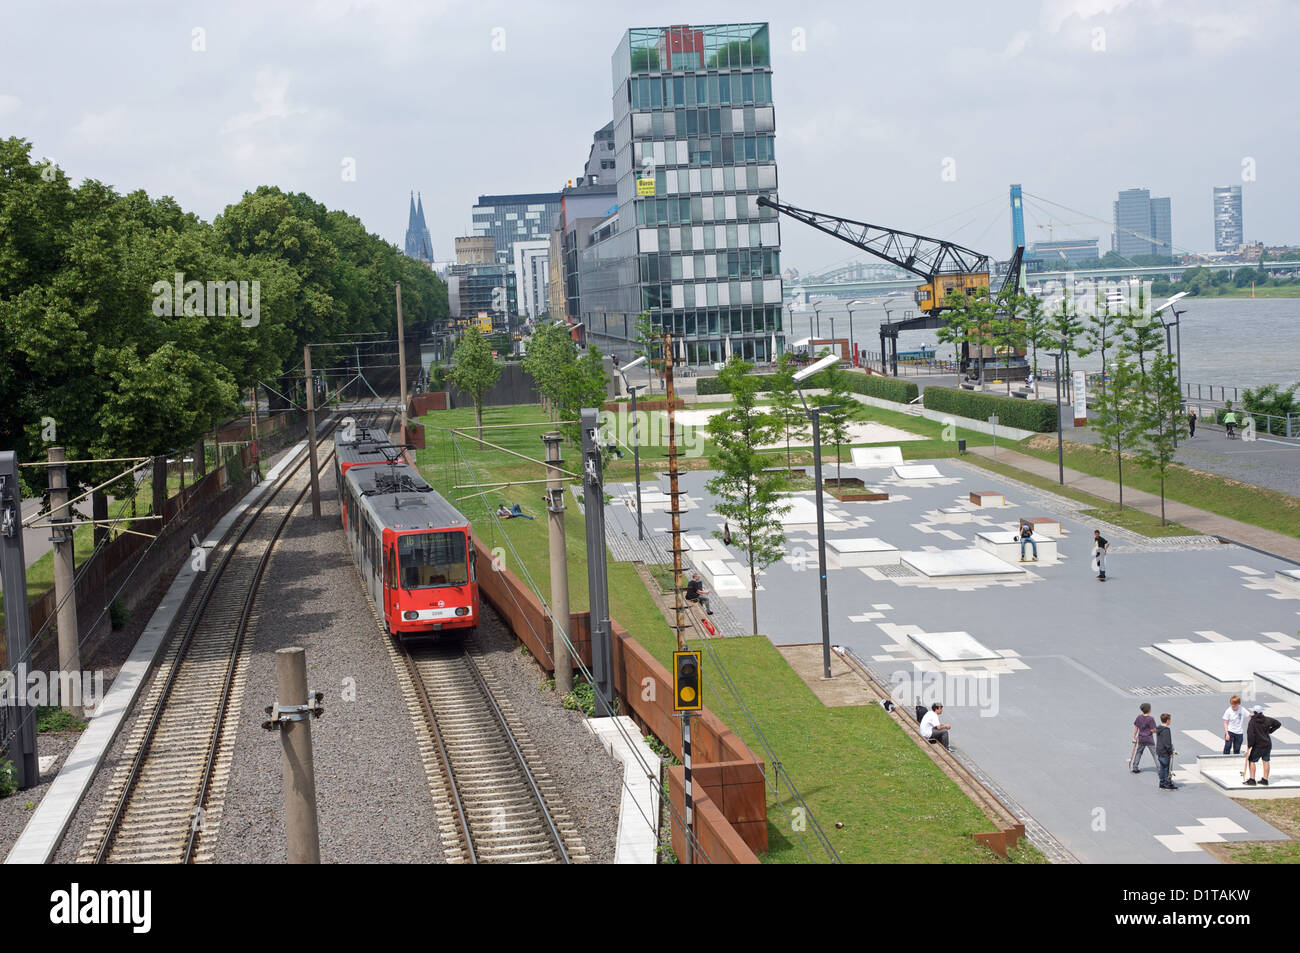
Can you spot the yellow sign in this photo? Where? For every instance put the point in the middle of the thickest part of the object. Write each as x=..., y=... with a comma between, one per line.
x=484, y=321
x=645, y=186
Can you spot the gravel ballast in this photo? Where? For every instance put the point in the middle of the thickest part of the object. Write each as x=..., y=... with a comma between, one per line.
x=589, y=780
x=372, y=798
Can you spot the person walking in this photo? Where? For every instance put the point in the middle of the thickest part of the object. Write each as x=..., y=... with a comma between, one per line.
x=1027, y=536
x=1100, y=547
x=1165, y=751
x=1144, y=738
x=1234, y=722
x=1259, y=742
x=1191, y=423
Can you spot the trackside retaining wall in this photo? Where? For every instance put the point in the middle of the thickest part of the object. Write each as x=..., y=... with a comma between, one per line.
x=730, y=789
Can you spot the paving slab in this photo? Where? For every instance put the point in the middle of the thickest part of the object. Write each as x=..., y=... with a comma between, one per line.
x=923, y=471
x=959, y=562
x=1225, y=772
x=859, y=551
x=868, y=457
x=1228, y=666
x=953, y=646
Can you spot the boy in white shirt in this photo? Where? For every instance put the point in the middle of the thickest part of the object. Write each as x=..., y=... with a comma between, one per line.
x=1234, y=726
x=931, y=730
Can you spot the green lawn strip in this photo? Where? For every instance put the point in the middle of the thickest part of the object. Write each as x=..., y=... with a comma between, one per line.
x=1127, y=518
x=1215, y=494
x=1282, y=813
x=852, y=764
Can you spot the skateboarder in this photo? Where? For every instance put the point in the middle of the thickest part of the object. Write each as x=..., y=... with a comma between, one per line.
x=1144, y=738
x=1165, y=752
x=1258, y=741
x=1100, y=546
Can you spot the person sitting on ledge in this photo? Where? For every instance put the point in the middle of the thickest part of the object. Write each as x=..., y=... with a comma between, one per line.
x=695, y=592
x=1027, y=536
x=931, y=729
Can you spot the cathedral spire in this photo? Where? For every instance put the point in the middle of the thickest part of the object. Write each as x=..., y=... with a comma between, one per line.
x=418, y=244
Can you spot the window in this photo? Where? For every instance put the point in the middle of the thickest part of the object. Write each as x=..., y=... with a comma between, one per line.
x=429, y=560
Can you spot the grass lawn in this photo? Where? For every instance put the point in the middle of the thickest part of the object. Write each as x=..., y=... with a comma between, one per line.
x=1127, y=518
x=1282, y=813
x=1215, y=494
x=851, y=764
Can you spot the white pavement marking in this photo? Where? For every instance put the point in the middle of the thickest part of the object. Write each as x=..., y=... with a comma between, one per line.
x=1247, y=570
x=638, y=811
x=1207, y=738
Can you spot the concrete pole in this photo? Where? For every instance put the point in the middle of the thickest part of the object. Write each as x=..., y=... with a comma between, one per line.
x=821, y=540
x=311, y=433
x=559, y=566
x=159, y=486
x=65, y=593
x=401, y=362
x=670, y=392
x=252, y=430
x=13, y=567
x=296, y=762
x=636, y=463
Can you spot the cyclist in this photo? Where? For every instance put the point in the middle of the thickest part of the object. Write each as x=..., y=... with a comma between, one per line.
x=1230, y=421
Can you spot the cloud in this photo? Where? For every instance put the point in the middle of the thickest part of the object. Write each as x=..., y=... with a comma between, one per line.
x=9, y=105
x=1017, y=44
x=271, y=93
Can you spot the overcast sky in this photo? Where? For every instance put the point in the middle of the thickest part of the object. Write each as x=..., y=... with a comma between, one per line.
x=1074, y=99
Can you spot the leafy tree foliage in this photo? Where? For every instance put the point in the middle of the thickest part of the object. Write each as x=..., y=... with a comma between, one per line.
x=788, y=415
x=474, y=370
x=749, y=494
x=89, y=346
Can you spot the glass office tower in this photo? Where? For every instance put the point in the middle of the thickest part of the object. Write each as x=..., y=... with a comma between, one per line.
x=694, y=149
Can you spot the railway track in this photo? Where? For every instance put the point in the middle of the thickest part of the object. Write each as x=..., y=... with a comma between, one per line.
x=495, y=807
x=164, y=802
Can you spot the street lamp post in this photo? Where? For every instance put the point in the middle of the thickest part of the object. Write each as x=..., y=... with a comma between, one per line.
x=1060, y=446
x=815, y=414
x=636, y=439
x=817, y=311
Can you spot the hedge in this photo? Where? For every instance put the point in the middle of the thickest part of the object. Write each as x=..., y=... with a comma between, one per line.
x=1038, y=416
x=886, y=388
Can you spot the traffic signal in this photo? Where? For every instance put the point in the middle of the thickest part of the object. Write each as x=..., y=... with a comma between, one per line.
x=687, y=693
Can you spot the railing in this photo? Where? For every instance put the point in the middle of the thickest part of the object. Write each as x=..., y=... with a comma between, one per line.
x=1271, y=424
x=1206, y=392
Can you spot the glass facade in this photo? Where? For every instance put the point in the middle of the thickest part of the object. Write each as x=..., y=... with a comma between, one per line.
x=694, y=143
x=507, y=219
x=1228, y=234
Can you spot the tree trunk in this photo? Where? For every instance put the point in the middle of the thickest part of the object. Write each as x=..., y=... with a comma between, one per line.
x=1163, y=522
x=478, y=417
x=753, y=591
x=1119, y=460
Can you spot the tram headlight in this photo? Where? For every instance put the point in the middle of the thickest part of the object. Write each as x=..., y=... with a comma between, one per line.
x=410, y=616
x=462, y=610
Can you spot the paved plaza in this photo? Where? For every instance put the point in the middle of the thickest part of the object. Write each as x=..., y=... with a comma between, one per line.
x=1041, y=666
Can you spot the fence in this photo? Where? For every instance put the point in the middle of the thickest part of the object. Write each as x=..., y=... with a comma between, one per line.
x=1206, y=392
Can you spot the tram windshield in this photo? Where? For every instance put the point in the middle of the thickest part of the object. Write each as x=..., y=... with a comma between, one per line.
x=429, y=560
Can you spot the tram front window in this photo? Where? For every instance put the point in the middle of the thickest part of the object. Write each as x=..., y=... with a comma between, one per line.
x=429, y=560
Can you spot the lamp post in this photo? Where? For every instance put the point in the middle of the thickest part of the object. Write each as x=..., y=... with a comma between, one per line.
x=1176, y=324
x=1060, y=446
x=636, y=440
x=815, y=414
x=817, y=311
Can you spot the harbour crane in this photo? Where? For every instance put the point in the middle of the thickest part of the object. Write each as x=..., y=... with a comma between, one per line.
x=944, y=266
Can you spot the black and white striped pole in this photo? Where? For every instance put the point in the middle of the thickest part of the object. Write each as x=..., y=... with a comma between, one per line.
x=687, y=699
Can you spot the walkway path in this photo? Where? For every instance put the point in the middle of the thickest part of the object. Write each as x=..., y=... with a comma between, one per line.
x=1279, y=544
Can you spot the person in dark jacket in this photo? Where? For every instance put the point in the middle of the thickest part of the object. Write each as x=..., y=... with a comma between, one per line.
x=1165, y=751
x=695, y=592
x=1259, y=744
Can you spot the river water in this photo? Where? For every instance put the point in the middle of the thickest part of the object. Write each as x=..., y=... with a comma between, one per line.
x=1233, y=342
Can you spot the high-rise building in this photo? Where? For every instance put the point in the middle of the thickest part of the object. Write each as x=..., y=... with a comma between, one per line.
x=600, y=161
x=694, y=131
x=532, y=272
x=1143, y=225
x=418, y=244
x=475, y=250
x=514, y=218
x=1228, y=233
x=1065, y=250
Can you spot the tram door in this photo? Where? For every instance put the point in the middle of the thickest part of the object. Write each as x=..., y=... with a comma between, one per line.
x=390, y=573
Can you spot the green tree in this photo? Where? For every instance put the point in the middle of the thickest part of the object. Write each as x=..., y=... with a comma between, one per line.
x=835, y=423
x=787, y=409
x=1273, y=400
x=550, y=351
x=649, y=342
x=1160, y=420
x=1036, y=326
x=958, y=324
x=583, y=384
x=1006, y=330
x=475, y=371
x=1065, y=327
x=1100, y=333
x=1117, y=414
x=749, y=494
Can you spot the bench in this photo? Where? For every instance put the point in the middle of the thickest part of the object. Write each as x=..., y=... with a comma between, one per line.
x=987, y=498
x=1002, y=544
